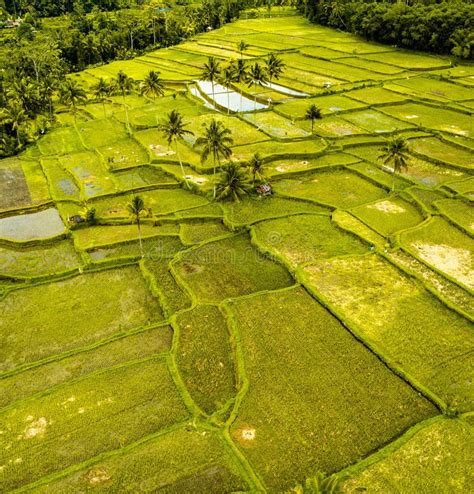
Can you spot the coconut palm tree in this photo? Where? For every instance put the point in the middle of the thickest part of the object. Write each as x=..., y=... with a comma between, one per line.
x=15, y=115
x=394, y=153
x=313, y=113
x=216, y=142
x=320, y=484
x=234, y=183
x=257, y=167
x=226, y=78
x=210, y=72
x=275, y=66
x=72, y=94
x=124, y=84
x=48, y=86
x=242, y=46
x=101, y=90
x=335, y=11
x=136, y=209
x=240, y=76
x=257, y=76
x=174, y=130
x=152, y=85
x=26, y=92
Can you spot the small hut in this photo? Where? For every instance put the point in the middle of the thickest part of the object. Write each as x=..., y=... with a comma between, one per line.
x=264, y=190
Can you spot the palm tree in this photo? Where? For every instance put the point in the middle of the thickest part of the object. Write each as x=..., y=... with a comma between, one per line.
x=335, y=11
x=210, y=72
x=124, y=84
x=257, y=77
x=275, y=66
x=257, y=167
x=136, y=209
x=152, y=85
x=234, y=183
x=313, y=113
x=216, y=141
x=26, y=92
x=395, y=153
x=227, y=77
x=101, y=90
x=15, y=115
x=242, y=46
x=173, y=128
x=72, y=94
x=47, y=87
x=240, y=76
x=320, y=484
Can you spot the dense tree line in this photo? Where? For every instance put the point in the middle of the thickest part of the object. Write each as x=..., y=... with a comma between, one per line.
x=99, y=37
x=38, y=58
x=53, y=8
x=435, y=26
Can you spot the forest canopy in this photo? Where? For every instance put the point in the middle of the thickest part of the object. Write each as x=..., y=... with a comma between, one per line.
x=428, y=25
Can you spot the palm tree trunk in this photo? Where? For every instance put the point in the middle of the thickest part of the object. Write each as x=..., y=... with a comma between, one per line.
x=213, y=96
x=140, y=237
x=214, y=193
x=393, y=180
x=103, y=106
x=228, y=102
x=181, y=164
x=216, y=158
x=126, y=113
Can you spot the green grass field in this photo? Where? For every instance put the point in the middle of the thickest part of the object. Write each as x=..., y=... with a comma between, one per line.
x=225, y=347
x=229, y=268
x=443, y=445
x=296, y=417
x=205, y=359
x=413, y=330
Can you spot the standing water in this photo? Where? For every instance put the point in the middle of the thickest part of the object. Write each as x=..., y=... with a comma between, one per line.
x=23, y=227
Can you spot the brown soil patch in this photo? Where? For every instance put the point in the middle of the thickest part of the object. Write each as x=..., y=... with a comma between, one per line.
x=37, y=428
x=455, y=262
x=97, y=476
x=161, y=150
x=387, y=207
x=245, y=435
x=284, y=167
x=189, y=268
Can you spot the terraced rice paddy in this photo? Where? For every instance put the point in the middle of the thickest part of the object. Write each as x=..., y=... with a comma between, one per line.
x=327, y=328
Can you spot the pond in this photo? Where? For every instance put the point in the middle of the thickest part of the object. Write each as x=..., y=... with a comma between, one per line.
x=195, y=92
x=228, y=98
x=22, y=227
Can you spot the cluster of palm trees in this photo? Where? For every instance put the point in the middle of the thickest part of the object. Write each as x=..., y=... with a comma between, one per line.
x=235, y=181
x=215, y=142
x=72, y=94
x=26, y=107
x=238, y=72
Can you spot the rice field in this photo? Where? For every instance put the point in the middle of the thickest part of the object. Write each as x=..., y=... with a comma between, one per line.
x=245, y=346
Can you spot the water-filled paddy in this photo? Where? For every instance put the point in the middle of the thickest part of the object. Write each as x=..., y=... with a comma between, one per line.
x=32, y=226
